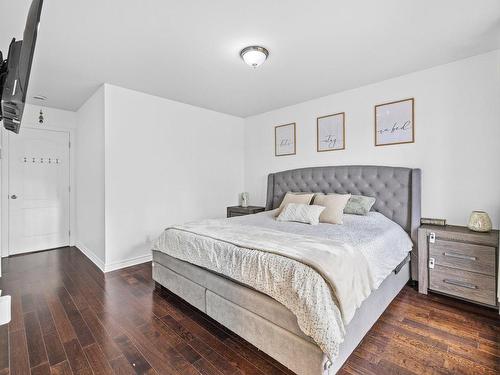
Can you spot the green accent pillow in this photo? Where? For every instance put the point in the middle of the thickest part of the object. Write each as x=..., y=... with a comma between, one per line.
x=359, y=205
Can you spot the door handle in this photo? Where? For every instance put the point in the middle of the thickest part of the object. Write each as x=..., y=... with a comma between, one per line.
x=13, y=196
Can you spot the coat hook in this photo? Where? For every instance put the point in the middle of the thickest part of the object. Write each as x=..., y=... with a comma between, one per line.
x=49, y=160
x=25, y=159
x=41, y=160
x=33, y=160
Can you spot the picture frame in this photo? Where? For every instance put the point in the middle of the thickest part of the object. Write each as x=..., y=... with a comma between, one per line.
x=395, y=122
x=285, y=139
x=330, y=132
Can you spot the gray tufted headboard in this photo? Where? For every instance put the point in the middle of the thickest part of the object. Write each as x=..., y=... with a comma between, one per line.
x=396, y=189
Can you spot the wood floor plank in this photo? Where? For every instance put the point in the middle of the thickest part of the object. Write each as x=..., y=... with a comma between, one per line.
x=205, y=367
x=27, y=303
x=222, y=353
x=80, y=327
x=76, y=358
x=100, y=334
x=257, y=359
x=36, y=347
x=482, y=357
x=160, y=349
x=54, y=347
x=222, y=365
x=17, y=320
x=43, y=369
x=121, y=366
x=97, y=360
x=442, y=333
x=19, y=360
x=62, y=368
x=188, y=352
x=4, y=347
x=44, y=315
x=61, y=321
x=133, y=356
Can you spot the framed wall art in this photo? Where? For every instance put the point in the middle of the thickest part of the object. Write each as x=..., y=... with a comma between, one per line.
x=330, y=132
x=284, y=139
x=395, y=122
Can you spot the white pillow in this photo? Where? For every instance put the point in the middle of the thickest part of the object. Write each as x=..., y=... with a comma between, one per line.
x=303, y=213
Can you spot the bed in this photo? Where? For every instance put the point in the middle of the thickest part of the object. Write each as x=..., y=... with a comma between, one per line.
x=228, y=269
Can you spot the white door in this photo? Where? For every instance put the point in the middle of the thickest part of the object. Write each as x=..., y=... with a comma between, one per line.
x=38, y=190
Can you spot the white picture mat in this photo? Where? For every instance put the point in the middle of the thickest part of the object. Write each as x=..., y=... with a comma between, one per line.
x=394, y=123
x=331, y=132
x=285, y=139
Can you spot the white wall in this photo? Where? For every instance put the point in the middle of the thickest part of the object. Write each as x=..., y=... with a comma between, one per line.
x=457, y=119
x=54, y=119
x=90, y=178
x=166, y=163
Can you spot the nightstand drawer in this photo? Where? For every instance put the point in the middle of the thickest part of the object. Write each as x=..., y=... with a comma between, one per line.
x=465, y=256
x=464, y=284
x=241, y=211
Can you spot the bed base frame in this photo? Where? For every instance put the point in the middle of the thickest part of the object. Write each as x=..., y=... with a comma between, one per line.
x=295, y=352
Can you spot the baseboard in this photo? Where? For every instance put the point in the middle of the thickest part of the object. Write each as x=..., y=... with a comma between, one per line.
x=91, y=255
x=113, y=266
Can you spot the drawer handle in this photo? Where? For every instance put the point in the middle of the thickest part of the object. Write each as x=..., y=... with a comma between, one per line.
x=460, y=283
x=460, y=256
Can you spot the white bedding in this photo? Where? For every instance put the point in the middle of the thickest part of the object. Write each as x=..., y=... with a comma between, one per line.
x=251, y=250
x=383, y=242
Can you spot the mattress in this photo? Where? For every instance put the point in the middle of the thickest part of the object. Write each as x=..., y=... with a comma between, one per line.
x=383, y=242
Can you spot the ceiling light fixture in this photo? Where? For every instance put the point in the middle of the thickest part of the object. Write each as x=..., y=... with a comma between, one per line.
x=40, y=97
x=254, y=56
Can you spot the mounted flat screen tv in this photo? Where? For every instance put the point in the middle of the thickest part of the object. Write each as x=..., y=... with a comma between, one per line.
x=15, y=71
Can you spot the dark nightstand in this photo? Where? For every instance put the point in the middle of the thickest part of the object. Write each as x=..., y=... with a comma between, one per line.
x=241, y=211
x=456, y=261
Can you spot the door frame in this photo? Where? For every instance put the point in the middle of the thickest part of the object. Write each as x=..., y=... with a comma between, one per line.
x=4, y=184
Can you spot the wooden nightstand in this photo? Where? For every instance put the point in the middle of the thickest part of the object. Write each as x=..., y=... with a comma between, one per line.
x=241, y=211
x=456, y=261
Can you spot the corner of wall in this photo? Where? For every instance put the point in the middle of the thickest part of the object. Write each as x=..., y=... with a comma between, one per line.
x=91, y=255
x=113, y=266
x=89, y=183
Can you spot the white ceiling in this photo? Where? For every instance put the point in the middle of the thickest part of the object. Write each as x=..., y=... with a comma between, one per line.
x=188, y=50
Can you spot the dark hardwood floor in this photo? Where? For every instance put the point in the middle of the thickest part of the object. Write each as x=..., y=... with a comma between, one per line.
x=69, y=318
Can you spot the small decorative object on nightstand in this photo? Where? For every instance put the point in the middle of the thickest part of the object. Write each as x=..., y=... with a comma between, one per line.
x=244, y=199
x=241, y=211
x=479, y=221
x=456, y=261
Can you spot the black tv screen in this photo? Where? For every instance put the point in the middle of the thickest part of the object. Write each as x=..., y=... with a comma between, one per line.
x=15, y=71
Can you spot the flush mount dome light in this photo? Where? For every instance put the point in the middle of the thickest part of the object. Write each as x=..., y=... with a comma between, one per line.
x=254, y=55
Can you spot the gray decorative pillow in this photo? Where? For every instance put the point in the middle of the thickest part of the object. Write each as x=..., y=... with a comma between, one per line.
x=359, y=205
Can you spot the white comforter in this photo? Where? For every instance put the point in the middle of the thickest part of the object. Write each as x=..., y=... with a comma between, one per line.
x=321, y=273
